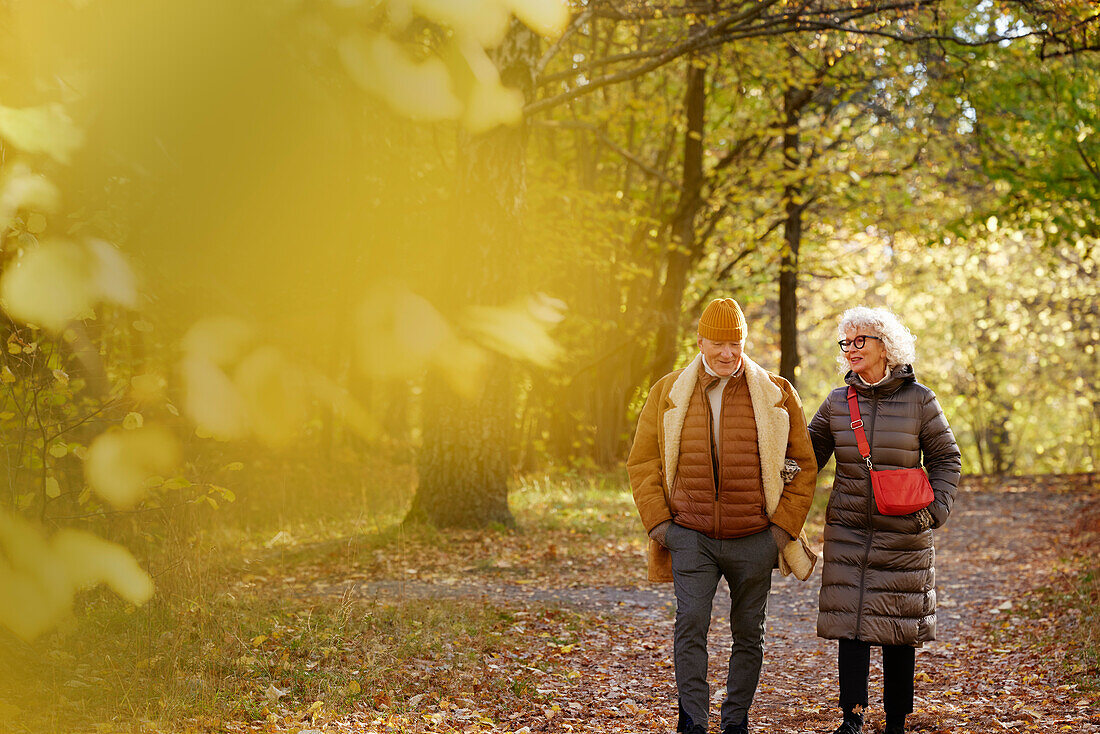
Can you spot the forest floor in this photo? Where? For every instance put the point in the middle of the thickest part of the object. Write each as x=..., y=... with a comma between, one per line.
x=582, y=643
x=550, y=626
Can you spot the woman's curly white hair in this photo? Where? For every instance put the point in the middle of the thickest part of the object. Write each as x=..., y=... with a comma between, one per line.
x=883, y=323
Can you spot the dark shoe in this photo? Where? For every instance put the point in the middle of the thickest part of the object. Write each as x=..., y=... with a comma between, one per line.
x=853, y=724
x=685, y=724
x=742, y=728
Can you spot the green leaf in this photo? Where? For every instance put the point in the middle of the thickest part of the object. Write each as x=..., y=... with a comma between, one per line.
x=225, y=493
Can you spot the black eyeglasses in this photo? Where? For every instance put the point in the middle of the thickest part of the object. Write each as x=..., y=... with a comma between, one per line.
x=858, y=342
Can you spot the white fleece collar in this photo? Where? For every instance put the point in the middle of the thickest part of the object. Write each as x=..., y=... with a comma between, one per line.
x=772, y=423
x=772, y=429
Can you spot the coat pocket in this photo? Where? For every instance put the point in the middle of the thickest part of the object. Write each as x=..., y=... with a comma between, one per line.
x=675, y=495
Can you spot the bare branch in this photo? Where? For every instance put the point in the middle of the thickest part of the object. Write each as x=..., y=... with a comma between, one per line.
x=696, y=40
x=579, y=21
x=1089, y=164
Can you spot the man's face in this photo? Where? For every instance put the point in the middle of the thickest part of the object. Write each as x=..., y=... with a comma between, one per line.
x=723, y=357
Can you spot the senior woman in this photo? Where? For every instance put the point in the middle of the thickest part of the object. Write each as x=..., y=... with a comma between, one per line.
x=878, y=580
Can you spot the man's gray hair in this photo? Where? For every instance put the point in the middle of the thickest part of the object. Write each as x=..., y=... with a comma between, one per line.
x=883, y=323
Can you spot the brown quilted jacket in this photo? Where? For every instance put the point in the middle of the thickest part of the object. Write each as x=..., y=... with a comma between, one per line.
x=878, y=583
x=732, y=506
x=781, y=434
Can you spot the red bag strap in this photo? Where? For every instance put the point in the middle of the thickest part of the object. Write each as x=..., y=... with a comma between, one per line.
x=857, y=426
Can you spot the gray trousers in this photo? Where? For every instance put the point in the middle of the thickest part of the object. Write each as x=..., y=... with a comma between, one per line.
x=697, y=564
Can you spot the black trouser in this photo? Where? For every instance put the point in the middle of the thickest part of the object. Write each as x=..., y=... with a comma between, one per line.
x=898, y=666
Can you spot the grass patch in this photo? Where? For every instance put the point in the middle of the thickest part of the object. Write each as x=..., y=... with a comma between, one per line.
x=598, y=504
x=1067, y=608
x=261, y=658
x=1072, y=603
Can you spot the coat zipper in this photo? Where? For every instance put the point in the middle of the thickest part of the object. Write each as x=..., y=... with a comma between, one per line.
x=716, y=471
x=870, y=518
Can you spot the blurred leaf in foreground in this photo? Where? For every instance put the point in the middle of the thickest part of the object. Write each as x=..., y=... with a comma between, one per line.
x=273, y=392
x=211, y=346
x=120, y=461
x=40, y=575
x=49, y=286
x=61, y=280
x=21, y=188
x=41, y=130
x=236, y=387
x=421, y=90
x=400, y=333
x=515, y=332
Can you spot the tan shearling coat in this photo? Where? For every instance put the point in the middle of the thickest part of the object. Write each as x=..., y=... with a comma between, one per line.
x=781, y=434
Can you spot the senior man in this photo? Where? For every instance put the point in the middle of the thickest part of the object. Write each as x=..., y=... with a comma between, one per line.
x=723, y=474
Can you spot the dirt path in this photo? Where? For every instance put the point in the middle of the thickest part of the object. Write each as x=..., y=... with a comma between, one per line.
x=998, y=545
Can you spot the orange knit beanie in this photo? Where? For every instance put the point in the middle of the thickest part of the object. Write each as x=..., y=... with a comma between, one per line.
x=722, y=321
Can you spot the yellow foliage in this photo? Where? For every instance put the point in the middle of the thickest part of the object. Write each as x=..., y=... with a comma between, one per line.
x=39, y=575
x=112, y=279
x=60, y=280
x=381, y=66
x=45, y=129
x=118, y=463
x=220, y=340
x=147, y=388
x=273, y=395
x=21, y=188
x=546, y=17
x=49, y=286
x=490, y=105
x=401, y=334
x=211, y=399
x=513, y=332
x=234, y=390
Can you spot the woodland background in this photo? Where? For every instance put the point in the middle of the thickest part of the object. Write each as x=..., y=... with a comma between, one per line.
x=281, y=279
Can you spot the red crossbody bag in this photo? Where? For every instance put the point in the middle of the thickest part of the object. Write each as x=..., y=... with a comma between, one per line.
x=897, y=491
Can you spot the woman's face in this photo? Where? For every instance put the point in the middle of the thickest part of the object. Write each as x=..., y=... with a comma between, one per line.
x=868, y=361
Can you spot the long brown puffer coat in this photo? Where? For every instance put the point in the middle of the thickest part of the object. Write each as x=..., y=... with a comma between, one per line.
x=878, y=581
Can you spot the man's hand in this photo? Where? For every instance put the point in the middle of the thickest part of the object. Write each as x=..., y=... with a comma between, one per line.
x=658, y=532
x=782, y=537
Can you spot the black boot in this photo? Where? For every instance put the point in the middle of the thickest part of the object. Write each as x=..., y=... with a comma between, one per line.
x=685, y=724
x=742, y=728
x=852, y=724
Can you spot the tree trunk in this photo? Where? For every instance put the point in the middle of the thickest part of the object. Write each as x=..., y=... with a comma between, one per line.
x=683, y=249
x=792, y=238
x=464, y=459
